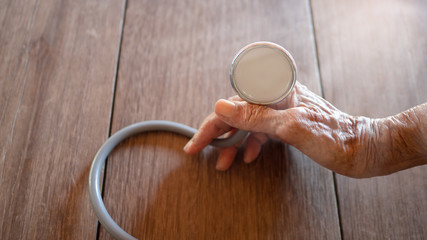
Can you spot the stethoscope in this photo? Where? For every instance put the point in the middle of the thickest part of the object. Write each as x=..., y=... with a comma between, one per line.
x=261, y=73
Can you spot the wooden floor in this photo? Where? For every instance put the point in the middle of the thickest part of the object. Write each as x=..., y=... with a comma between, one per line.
x=74, y=72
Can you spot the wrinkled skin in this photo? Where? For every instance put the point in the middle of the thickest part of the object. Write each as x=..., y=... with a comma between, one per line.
x=353, y=146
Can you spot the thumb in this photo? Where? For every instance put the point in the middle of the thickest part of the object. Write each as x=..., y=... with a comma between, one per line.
x=247, y=116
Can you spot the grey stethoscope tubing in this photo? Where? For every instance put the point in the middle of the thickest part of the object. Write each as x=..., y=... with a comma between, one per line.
x=141, y=127
x=250, y=94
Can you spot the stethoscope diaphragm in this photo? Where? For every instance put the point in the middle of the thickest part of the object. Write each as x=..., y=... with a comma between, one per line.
x=263, y=73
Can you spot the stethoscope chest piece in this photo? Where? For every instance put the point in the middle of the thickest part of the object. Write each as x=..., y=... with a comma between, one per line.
x=263, y=73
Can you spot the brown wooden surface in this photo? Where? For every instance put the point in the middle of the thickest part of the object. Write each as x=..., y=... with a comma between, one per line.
x=57, y=61
x=58, y=101
x=174, y=65
x=373, y=62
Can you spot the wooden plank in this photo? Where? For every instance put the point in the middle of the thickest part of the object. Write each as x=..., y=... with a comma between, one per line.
x=174, y=66
x=57, y=70
x=373, y=57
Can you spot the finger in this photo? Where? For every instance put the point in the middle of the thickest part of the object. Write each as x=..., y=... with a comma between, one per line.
x=249, y=117
x=226, y=158
x=304, y=95
x=253, y=146
x=211, y=128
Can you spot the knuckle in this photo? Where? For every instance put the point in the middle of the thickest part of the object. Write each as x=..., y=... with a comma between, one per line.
x=252, y=115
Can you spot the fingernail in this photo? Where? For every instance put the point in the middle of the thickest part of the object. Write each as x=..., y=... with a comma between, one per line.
x=219, y=162
x=187, y=146
x=225, y=108
x=220, y=166
x=246, y=158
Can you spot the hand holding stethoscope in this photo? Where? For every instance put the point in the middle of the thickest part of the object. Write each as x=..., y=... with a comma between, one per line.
x=271, y=104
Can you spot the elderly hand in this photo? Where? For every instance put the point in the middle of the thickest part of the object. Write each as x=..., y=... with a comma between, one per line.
x=349, y=145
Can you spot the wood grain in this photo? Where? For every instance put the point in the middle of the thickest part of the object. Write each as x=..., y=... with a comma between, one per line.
x=174, y=66
x=373, y=57
x=57, y=63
